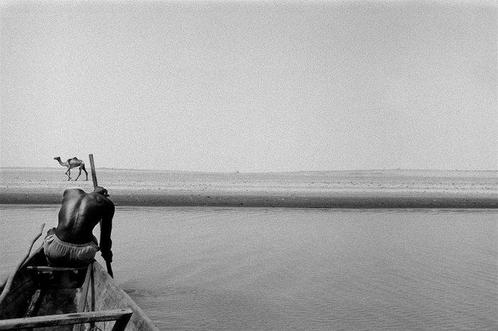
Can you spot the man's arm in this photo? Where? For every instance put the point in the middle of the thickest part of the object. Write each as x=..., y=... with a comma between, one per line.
x=105, y=232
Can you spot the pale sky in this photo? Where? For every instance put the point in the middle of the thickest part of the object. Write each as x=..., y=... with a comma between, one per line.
x=250, y=86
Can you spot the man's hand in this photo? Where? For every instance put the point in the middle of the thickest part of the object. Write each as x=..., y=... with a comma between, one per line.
x=108, y=259
x=107, y=256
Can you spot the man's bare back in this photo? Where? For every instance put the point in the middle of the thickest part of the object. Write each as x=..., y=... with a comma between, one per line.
x=79, y=214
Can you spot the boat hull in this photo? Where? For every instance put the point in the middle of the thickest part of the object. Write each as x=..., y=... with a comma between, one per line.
x=39, y=290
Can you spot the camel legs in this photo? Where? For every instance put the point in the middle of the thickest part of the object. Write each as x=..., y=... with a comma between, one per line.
x=68, y=174
x=86, y=173
x=78, y=175
x=82, y=168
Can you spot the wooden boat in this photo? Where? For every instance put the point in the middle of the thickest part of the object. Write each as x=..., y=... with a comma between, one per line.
x=68, y=299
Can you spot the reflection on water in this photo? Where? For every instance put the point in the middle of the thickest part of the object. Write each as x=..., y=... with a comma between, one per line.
x=321, y=269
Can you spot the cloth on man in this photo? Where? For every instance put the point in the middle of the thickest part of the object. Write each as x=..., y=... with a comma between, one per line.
x=61, y=253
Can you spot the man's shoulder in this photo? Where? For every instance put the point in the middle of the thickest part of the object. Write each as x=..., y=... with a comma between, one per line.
x=100, y=199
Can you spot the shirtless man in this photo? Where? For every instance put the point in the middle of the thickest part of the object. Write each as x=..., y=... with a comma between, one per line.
x=72, y=243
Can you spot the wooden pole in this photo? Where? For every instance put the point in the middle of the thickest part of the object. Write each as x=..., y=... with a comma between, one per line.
x=94, y=174
x=8, y=284
x=121, y=316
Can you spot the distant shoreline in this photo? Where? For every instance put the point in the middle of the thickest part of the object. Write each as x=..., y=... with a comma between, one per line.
x=336, y=189
x=337, y=200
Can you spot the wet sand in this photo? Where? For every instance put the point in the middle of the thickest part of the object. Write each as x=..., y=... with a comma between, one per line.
x=347, y=189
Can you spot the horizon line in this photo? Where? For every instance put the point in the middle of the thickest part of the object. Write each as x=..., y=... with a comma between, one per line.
x=266, y=171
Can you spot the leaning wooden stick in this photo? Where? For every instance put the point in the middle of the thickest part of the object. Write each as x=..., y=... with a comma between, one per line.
x=8, y=284
x=95, y=184
x=94, y=174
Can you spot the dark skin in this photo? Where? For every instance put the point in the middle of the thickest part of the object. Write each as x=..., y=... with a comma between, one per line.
x=79, y=214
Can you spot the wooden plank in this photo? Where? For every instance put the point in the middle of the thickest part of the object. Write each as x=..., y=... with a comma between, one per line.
x=66, y=319
x=46, y=269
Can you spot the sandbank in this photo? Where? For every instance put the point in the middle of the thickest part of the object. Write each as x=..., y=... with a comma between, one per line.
x=351, y=189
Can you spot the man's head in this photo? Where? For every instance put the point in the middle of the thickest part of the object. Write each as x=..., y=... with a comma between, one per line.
x=101, y=190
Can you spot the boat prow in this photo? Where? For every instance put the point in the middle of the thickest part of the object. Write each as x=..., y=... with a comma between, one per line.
x=68, y=299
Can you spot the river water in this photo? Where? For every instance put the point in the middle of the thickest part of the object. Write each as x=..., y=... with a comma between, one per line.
x=203, y=268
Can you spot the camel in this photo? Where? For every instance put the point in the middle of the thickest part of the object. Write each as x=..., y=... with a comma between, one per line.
x=72, y=163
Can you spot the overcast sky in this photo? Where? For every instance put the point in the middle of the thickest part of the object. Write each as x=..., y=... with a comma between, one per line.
x=250, y=86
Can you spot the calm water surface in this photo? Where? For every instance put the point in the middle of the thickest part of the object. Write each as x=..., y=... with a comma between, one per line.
x=302, y=269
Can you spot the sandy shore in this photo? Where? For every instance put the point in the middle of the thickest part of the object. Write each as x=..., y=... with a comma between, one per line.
x=353, y=189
